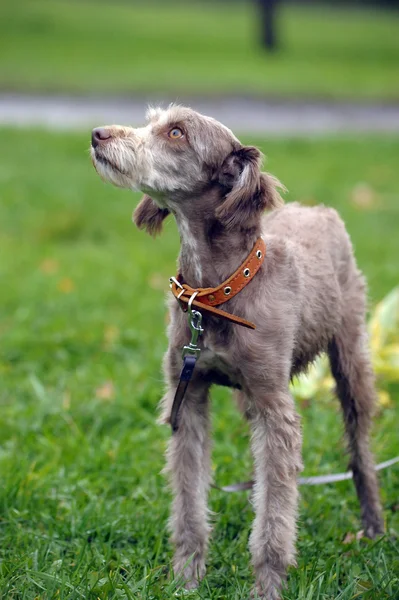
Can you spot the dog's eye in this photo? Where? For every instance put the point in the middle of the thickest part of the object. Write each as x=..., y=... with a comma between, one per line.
x=175, y=133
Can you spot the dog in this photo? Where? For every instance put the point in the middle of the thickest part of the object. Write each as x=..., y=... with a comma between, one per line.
x=307, y=297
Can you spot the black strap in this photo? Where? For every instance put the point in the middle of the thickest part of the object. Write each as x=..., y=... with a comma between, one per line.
x=185, y=377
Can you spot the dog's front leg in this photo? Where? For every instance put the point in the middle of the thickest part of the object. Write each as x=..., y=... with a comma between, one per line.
x=276, y=446
x=188, y=465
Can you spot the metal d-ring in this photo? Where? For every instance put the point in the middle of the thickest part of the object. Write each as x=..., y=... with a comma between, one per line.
x=174, y=280
x=190, y=302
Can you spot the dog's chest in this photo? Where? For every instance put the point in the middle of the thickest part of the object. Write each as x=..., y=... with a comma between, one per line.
x=217, y=365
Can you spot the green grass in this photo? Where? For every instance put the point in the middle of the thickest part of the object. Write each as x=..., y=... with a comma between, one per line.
x=83, y=507
x=196, y=48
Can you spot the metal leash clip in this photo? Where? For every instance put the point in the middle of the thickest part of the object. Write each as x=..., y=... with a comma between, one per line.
x=190, y=356
x=194, y=322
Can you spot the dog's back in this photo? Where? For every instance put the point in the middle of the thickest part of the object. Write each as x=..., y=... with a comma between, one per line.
x=321, y=251
x=317, y=231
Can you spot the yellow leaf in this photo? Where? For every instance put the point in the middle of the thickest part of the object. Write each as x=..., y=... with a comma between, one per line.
x=386, y=371
x=384, y=342
x=384, y=399
x=384, y=321
x=317, y=378
x=390, y=354
x=106, y=391
x=66, y=285
x=49, y=266
x=363, y=196
x=158, y=282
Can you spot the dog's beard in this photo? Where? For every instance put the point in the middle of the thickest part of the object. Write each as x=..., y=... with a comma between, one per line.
x=109, y=170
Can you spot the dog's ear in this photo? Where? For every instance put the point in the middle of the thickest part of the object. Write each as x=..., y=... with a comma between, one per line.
x=250, y=191
x=149, y=216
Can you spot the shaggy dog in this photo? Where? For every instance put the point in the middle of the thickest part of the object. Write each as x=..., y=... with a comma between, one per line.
x=307, y=297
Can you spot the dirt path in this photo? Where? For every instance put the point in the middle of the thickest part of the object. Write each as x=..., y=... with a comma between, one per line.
x=240, y=114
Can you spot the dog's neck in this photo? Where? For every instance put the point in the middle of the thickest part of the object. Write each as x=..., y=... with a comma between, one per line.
x=209, y=253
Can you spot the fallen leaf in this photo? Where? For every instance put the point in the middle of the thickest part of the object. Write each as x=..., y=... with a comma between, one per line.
x=158, y=282
x=351, y=537
x=384, y=399
x=363, y=196
x=49, y=266
x=106, y=391
x=66, y=285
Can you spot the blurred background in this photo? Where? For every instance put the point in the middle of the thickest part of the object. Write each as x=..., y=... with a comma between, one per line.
x=83, y=507
x=336, y=50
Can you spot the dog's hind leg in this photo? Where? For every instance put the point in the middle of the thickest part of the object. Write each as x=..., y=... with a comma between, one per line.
x=188, y=465
x=351, y=368
x=276, y=446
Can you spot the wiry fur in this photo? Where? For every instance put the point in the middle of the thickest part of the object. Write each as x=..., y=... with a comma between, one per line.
x=308, y=297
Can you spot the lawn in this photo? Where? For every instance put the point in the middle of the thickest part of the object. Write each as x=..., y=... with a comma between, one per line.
x=181, y=48
x=83, y=506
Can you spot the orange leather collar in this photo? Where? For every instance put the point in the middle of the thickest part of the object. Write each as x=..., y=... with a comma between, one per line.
x=207, y=299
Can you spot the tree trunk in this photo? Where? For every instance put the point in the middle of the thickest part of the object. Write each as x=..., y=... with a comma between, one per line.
x=268, y=23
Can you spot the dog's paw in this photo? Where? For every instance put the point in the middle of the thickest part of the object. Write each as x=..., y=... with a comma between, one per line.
x=190, y=571
x=373, y=524
x=373, y=530
x=268, y=583
x=259, y=593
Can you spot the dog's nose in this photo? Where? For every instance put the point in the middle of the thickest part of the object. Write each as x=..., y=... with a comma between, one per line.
x=99, y=134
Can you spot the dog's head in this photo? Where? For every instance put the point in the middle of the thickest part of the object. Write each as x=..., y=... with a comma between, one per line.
x=180, y=154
